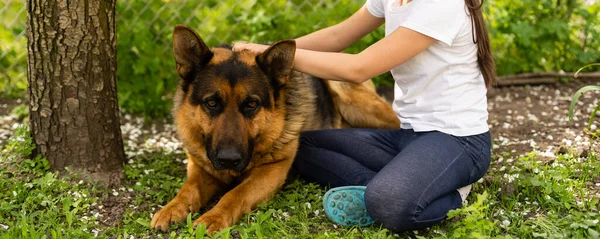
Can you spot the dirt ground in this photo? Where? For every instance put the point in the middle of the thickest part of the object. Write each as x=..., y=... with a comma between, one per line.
x=522, y=119
x=535, y=118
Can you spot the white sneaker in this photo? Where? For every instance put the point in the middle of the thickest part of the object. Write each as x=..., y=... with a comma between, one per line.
x=464, y=191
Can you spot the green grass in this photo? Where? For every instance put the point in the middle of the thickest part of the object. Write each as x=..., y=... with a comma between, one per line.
x=528, y=198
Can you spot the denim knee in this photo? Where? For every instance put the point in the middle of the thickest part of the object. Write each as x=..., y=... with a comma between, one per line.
x=390, y=207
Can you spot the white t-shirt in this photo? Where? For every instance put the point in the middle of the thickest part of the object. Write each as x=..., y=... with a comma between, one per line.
x=441, y=88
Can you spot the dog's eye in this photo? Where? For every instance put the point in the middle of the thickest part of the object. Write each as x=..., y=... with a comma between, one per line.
x=251, y=105
x=211, y=103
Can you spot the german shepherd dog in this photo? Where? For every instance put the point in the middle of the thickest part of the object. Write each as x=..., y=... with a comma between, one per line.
x=239, y=116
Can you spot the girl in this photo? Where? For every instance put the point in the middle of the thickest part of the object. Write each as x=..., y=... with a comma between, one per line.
x=438, y=52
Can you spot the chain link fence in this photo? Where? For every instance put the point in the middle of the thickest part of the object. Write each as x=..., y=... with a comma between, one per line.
x=226, y=21
x=144, y=29
x=145, y=66
x=13, y=47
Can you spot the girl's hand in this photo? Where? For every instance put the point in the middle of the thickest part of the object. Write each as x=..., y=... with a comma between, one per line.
x=253, y=47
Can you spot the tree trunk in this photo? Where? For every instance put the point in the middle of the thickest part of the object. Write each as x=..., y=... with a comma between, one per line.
x=74, y=113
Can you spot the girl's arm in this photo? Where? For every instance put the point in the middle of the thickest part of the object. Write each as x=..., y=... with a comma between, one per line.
x=389, y=52
x=340, y=36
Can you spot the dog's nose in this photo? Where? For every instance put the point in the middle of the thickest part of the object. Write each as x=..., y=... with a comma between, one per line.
x=229, y=155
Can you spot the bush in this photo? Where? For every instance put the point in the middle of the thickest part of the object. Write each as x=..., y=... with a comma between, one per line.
x=527, y=36
x=146, y=68
x=13, y=49
x=547, y=35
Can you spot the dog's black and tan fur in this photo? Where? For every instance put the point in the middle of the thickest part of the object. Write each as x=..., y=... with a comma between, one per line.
x=239, y=116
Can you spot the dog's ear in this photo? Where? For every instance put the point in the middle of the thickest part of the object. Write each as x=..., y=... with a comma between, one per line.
x=191, y=54
x=278, y=61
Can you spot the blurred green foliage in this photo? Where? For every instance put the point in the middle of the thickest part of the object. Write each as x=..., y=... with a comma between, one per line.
x=13, y=49
x=146, y=69
x=544, y=35
x=527, y=36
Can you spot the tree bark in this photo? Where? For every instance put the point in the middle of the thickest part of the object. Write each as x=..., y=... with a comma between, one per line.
x=74, y=114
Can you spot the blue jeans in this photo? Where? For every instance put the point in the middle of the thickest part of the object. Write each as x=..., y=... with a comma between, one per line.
x=411, y=177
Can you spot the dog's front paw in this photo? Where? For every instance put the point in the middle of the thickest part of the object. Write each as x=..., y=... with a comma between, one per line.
x=214, y=220
x=175, y=211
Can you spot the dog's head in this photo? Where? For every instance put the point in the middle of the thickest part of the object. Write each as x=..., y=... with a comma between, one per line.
x=230, y=102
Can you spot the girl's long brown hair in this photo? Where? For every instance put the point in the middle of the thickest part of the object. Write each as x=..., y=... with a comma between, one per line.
x=482, y=39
